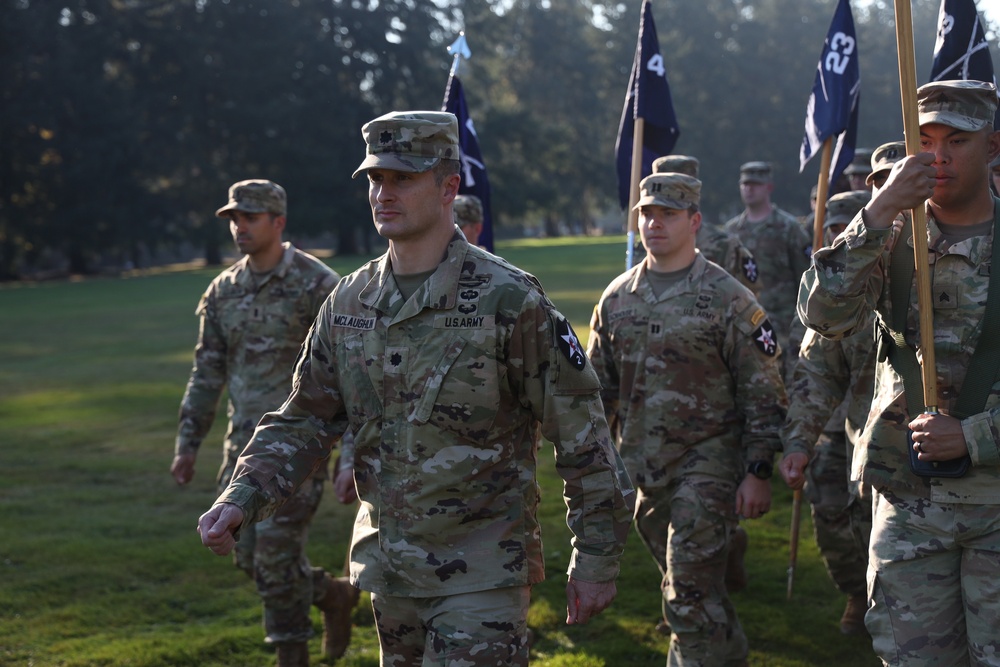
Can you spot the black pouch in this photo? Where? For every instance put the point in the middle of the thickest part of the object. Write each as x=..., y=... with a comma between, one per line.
x=952, y=468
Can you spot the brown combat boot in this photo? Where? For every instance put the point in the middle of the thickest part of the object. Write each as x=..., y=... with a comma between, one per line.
x=292, y=654
x=338, y=598
x=853, y=620
x=736, y=571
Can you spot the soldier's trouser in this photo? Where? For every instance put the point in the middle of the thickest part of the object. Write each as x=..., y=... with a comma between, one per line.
x=837, y=513
x=934, y=581
x=696, y=515
x=273, y=553
x=481, y=629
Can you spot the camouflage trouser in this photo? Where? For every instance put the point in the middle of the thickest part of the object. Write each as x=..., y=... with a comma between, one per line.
x=273, y=553
x=481, y=629
x=842, y=521
x=688, y=527
x=934, y=580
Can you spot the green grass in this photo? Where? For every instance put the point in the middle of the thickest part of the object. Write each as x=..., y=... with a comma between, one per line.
x=99, y=560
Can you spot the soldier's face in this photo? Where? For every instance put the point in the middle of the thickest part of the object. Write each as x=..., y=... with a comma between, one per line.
x=667, y=233
x=959, y=158
x=406, y=205
x=995, y=177
x=255, y=232
x=754, y=193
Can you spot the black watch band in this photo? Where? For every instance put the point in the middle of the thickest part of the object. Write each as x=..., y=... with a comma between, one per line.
x=760, y=469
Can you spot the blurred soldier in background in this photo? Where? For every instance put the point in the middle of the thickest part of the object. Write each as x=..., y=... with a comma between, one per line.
x=254, y=317
x=469, y=217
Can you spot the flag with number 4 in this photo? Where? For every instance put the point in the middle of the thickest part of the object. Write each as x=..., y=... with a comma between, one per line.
x=832, y=110
x=648, y=98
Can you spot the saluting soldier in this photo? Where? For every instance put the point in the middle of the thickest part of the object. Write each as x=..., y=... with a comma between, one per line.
x=689, y=375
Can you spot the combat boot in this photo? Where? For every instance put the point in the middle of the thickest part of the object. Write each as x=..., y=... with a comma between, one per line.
x=292, y=654
x=736, y=571
x=338, y=598
x=853, y=620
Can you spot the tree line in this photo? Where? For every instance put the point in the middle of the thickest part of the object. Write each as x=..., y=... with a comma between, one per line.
x=124, y=121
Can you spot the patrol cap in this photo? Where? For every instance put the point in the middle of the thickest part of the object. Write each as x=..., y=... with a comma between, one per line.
x=680, y=164
x=964, y=105
x=843, y=206
x=255, y=196
x=861, y=164
x=755, y=172
x=468, y=210
x=412, y=141
x=884, y=157
x=669, y=189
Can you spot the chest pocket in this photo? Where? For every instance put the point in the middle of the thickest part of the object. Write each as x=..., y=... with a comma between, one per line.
x=459, y=390
x=360, y=394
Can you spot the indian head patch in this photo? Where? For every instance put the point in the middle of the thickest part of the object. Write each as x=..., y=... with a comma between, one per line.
x=569, y=344
x=765, y=340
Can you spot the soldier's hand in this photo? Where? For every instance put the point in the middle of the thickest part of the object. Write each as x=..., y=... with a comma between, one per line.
x=182, y=468
x=343, y=485
x=793, y=469
x=753, y=497
x=910, y=183
x=938, y=437
x=585, y=599
x=217, y=525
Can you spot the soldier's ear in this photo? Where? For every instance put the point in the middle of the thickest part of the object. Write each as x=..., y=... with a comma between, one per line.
x=993, y=145
x=279, y=222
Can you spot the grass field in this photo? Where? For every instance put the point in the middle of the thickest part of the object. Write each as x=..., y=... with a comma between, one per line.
x=99, y=560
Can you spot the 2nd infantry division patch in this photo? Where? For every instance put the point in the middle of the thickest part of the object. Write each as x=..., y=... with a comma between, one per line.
x=764, y=339
x=569, y=344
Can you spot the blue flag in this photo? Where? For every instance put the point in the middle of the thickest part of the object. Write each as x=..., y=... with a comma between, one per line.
x=961, y=50
x=474, y=180
x=832, y=110
x=648, y=98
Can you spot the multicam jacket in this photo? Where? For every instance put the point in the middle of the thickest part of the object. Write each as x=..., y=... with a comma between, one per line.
x=728, y=251
x=444, y=393
x=249, y=337
x=781, y=248
x=690, y=379
x=837, y=295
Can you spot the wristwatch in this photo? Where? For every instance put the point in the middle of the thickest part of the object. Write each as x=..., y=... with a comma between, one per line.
x=760, y=469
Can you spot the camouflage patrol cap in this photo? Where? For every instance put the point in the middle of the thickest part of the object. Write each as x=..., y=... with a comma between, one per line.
x=842, y=207
x=255, y=196
x=861, y=164
x=884, y=157
x=964, y=105
x=669, y=189
x=412, y=141
x=468, y=210
x=680, y=164
x=755, y=172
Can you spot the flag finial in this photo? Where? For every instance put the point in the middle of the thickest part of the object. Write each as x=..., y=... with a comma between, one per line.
x=459, y=49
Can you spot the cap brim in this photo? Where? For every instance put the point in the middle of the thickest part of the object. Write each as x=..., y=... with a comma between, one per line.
x=660, y=201
x=952, y=119
x=395, y=162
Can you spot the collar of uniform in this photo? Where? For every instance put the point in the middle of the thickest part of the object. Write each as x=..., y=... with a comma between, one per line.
x=244, y=276
x=441, y=289
x=693, y=278
x=977, y=249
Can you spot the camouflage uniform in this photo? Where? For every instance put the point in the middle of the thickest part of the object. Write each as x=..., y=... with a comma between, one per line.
x=935, y=545
x=690, y=382
x=444, y=392
x=781, y=248
x=249, y=337
x=829, y=399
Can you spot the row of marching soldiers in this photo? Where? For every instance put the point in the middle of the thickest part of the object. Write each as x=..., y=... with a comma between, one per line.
x=905, y=503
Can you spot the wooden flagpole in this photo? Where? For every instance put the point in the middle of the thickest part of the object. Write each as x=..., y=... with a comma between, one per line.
x=635, y=177
x=911, y=132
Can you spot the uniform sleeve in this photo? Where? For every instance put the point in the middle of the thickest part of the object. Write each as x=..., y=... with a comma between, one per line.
x=820, y=383
x=760, y=392
x=601, y=355
x=842, y=287
x=292, y=442
x=554, y=379
x=208, y=378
